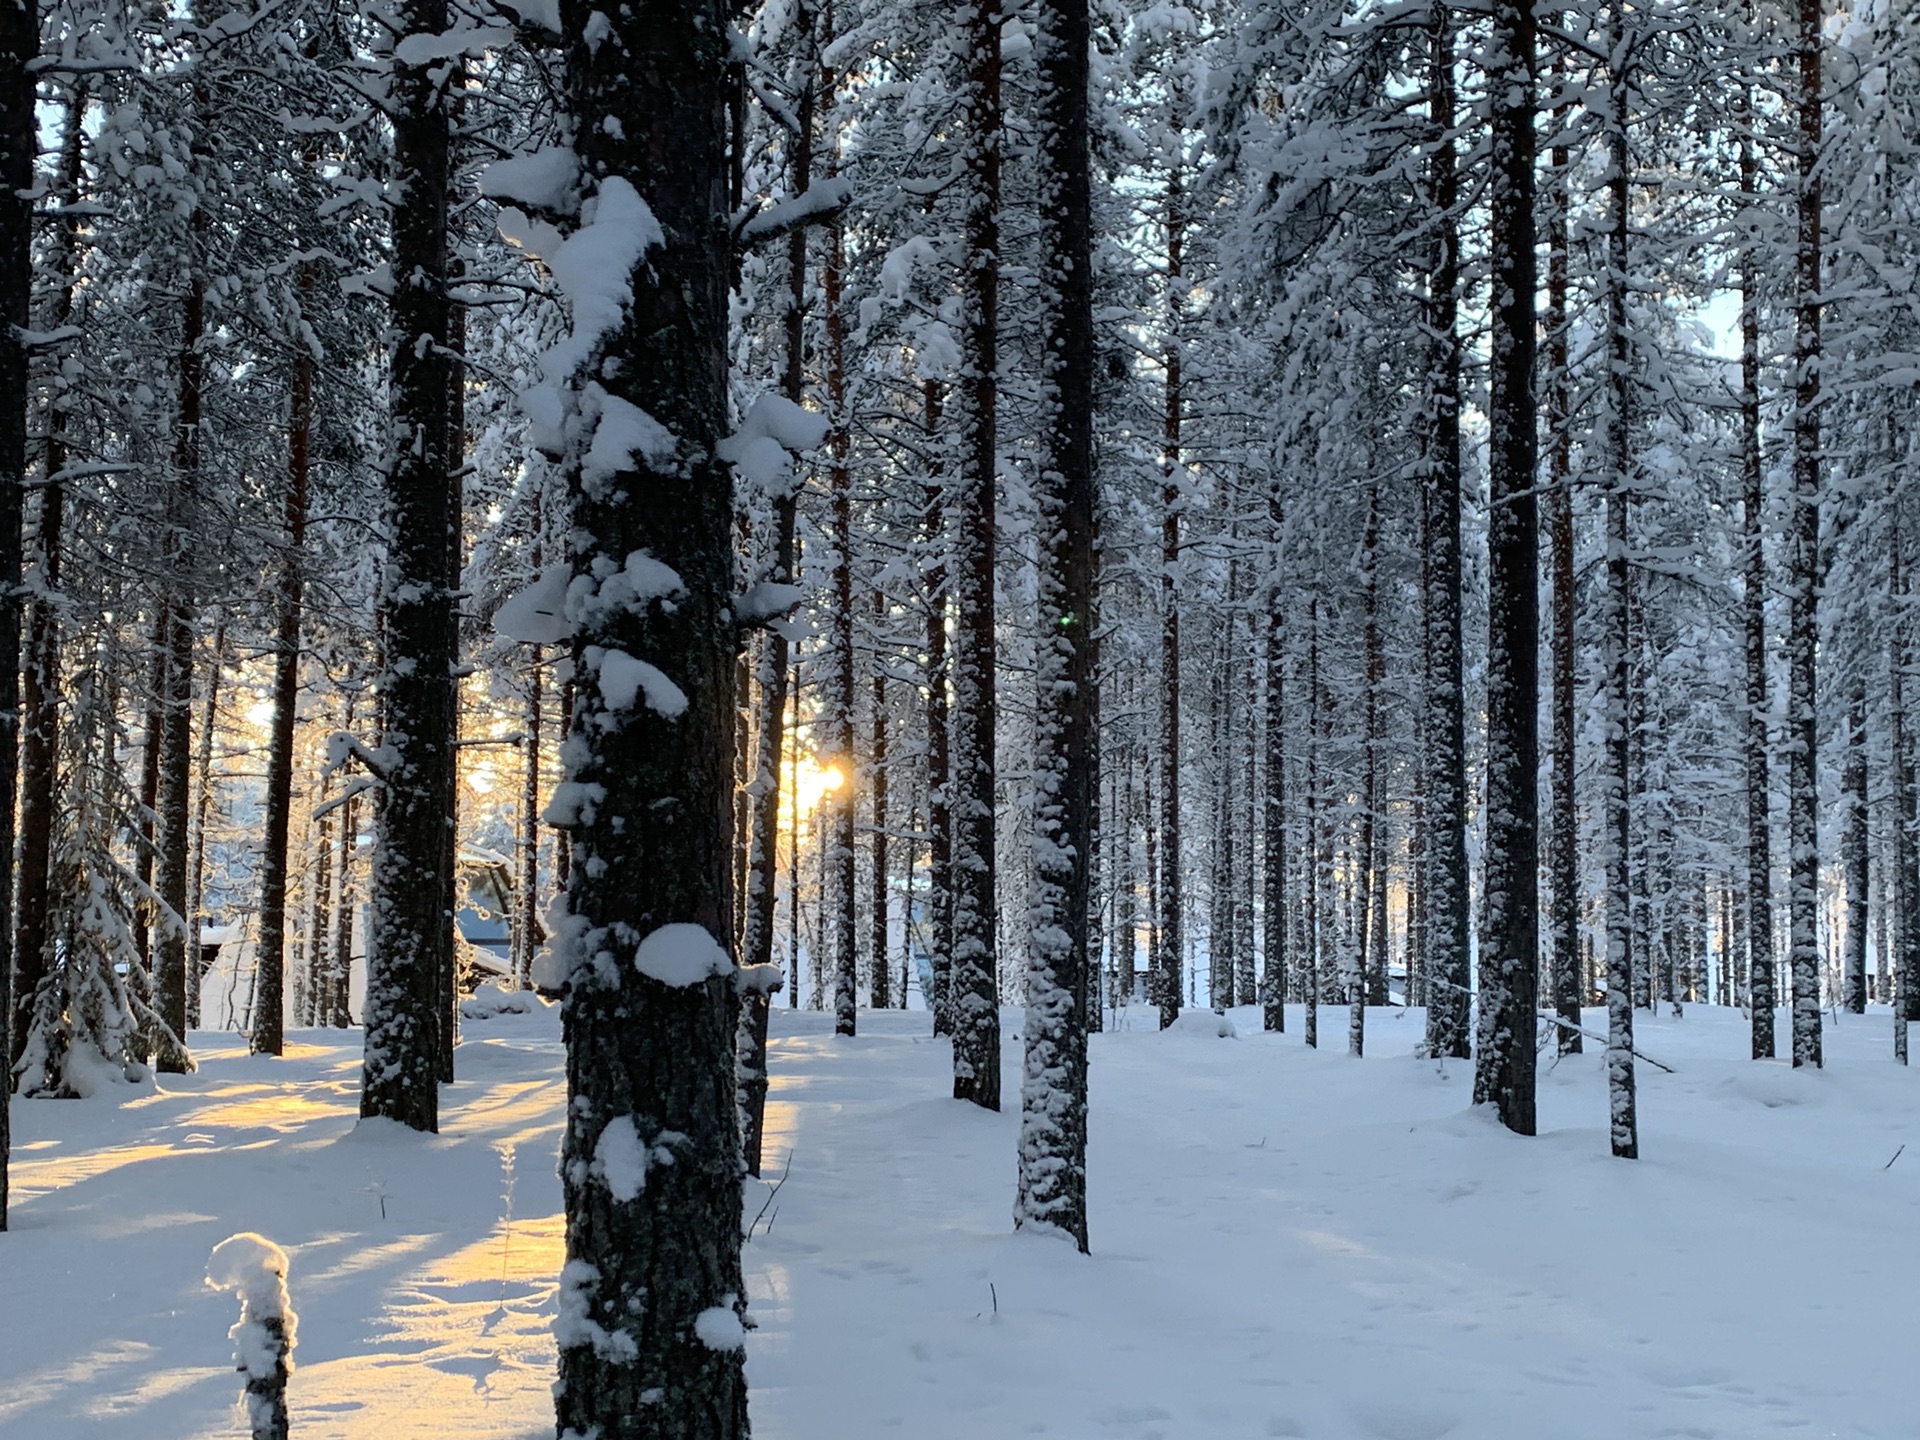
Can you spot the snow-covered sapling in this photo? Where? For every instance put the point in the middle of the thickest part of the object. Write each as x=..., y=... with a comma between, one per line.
x=254, y=1268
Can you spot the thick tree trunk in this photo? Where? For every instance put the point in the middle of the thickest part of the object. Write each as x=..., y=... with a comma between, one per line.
x=976, y=986
x=1447, y=899
x=1761, y=996
x=1509, y=980
x=270, y=947
x=411, y=883
x=650, y=1162
x=1803, y=637
x=1053, y=1095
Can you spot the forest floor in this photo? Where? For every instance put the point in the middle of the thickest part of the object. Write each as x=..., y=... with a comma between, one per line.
x=1285, y=1243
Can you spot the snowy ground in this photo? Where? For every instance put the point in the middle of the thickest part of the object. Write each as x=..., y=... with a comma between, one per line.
x=1286, y=1243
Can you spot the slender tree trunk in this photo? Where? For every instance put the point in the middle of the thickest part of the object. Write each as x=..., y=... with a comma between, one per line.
x=1760, y=976
x=775, y=664
x=1803, y=799
x=650, y=1159
x=175, y=768
x=837, y=688
x=1509, y=981
x=1617, y=637
x=939, y=769
x=202, y=805
x=40, y=674
x=267, y=1036
x=1274, y=832
x=1563, y=860
x=879, y=989
x=411, y=886
x=527, y=896
x=1906, y=855
x=1447, y=899
x=19, y=40
x=1310, y=911
x=1169, y=916
x=976, y=988
x=1855, y=841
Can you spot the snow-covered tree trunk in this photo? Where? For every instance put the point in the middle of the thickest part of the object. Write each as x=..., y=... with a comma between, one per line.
x=1373, y=949
x=1446, y=898
x=1053, y=1093
x=1616, y=631
x=1509, y=981
x=937, y=718
x=39, y=673
x=652, y=1300
x=1761, y=996
x=1563, y=856
x=411, y=886
x=1803, y=622
x=1855, y=842
x=775, y=660
x=837, y=683
x=1169, y=913
x=1274, y=917
x=1310, y=909
x=1906, y=855
x=878, y=977
x=975, y=978
x=270, y=946
x=19, y=41
x=526, y=897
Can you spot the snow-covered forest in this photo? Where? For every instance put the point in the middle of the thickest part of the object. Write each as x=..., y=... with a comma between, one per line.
x=617, y=624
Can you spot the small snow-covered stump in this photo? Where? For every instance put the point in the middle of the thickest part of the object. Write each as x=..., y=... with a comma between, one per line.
x=254, y=1268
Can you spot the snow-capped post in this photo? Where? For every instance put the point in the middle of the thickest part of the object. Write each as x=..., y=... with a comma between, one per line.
x=255, y=1269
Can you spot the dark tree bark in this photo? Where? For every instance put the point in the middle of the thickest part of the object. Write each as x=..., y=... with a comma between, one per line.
x=1563, y=858
x=1855, y=843
x=775, y=664
x=1169, y=921
x=411, y=882
x=1509, y=981
x=40, y=672
x=879, y=990
x=1803, y=638
x=1311, y=882
x=837, y=687
x=939, y=769
x=1053, y=1096
x=1448, y=912
x=1617, y=636
x=976, y=986
x=1274, y=831
x=653, y=1294
x=526, y=899
x=19, y=41
x=267, y=1038
x=1906, y=854
x=174, y=771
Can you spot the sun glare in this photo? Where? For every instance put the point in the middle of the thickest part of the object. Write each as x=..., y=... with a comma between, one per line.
x=813, y=783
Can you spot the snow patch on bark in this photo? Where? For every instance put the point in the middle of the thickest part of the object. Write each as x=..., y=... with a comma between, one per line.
x=682, y=955
x=624, y=679
x=620, y=1159
x=719, y=1328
